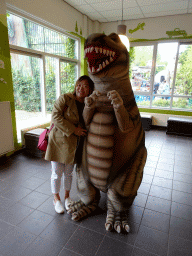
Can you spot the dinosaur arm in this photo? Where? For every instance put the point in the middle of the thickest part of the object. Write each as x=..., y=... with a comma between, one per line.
x=124, y=120
x=88, y=113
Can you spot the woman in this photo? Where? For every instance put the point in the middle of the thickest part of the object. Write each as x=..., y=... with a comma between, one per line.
x=64, y=137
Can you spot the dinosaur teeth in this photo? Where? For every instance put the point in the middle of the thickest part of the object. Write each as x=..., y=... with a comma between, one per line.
x=104, y=65
x=93, y=70
x=107, y=62
x=100, y=66
x=104, y=51
x=107, y=52
x=110, y=53
x=111, y=59
x=113, y=54
x=101, y=50
x=97, y=49
x=91, y=49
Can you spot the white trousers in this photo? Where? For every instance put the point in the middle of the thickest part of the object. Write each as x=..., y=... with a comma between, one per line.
x=57, y=171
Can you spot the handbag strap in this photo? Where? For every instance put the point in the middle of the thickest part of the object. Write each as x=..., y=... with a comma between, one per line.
x=50, y=128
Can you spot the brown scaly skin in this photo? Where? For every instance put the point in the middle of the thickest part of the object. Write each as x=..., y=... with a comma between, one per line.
x=108, y=65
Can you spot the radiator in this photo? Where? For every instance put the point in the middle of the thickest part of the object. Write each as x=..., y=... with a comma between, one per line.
x=6, y=130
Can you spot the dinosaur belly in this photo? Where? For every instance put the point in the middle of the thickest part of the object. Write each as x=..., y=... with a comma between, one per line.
x=100, y=149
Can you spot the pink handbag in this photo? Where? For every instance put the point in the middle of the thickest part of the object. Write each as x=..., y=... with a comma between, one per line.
x=43, y=139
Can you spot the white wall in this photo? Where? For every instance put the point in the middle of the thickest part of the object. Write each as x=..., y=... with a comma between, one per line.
x=154, y=28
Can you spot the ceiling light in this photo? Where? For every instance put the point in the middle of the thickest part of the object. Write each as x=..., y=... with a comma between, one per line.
x=121, y=31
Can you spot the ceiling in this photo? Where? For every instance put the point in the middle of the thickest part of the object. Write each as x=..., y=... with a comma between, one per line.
x=111, y=10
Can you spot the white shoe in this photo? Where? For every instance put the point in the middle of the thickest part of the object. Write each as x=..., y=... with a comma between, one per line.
x=58, y=206
x=68, y=203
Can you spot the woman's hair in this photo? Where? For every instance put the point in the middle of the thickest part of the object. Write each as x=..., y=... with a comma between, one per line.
x=81, y=78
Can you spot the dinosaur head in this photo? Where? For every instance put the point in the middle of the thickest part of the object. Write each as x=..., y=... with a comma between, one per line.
x=106, y=56
x=108, y=63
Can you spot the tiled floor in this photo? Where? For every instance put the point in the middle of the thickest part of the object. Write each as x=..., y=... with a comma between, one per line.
x=160, y=218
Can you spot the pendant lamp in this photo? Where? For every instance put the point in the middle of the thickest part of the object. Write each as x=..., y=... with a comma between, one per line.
x=121, y=31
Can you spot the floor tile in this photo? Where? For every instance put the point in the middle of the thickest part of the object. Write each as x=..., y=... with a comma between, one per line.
x=166, y=160
x=181, y=197
x=164, y=174
x=183, y=170
x=144, y=188
x=59, y=230
x=182, y=186
x=66, y=252
x=45, y=188
x=162, y=182
x=33, y=183
x=179, y=246
x=135, y=214
x=5, y=228
x=147, y=178
x=140, y=200
x=181, y=211
x=113, y=247
x=15, y=242
x=5, y=203
x=160, y=192
x=16, y=213
x=95, y=222
x=41, y=247
x=149, y=170
x=165, y=167
x=182, y=177
x=156, y=220
x=160, y=205
x=16, y=193
x=140, y=252
x=181, y=228
x=85, y=242
x=36, y=222
x=34, y=199
x=152, y=240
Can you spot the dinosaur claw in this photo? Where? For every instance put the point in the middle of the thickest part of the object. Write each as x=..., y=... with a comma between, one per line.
x=118, y=229
x=75, y=216
x=108, y=227
x=127, y=228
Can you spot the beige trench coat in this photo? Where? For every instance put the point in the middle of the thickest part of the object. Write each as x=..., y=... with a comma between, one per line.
x=62, y=140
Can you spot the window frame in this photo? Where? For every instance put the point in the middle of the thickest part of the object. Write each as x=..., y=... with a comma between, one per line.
x=36, y=53
x=150, y=93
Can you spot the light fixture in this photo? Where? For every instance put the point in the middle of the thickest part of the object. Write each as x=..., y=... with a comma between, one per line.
x=121, y=31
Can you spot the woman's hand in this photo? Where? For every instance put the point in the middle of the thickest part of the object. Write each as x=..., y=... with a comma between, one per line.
x=80, y=131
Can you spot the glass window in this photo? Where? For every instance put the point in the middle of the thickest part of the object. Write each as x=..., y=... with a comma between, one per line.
x=182, y=103
x=25, y=33
x=183, y=82
x=68, y=76
x=171, y=76
x=27, y=91
x=39, y=79
x=165, y=66
x=141, y=66
x=50, y=82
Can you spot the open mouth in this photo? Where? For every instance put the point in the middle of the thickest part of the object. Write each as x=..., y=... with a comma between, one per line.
x=99, y=58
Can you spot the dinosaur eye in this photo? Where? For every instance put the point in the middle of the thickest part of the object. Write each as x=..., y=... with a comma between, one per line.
x=114, y=37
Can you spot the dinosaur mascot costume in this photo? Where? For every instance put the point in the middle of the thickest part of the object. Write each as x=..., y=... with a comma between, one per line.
x=114, y=153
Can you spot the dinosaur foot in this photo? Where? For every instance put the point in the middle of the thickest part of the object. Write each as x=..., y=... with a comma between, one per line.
x=118, y=222
x=80, y=210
